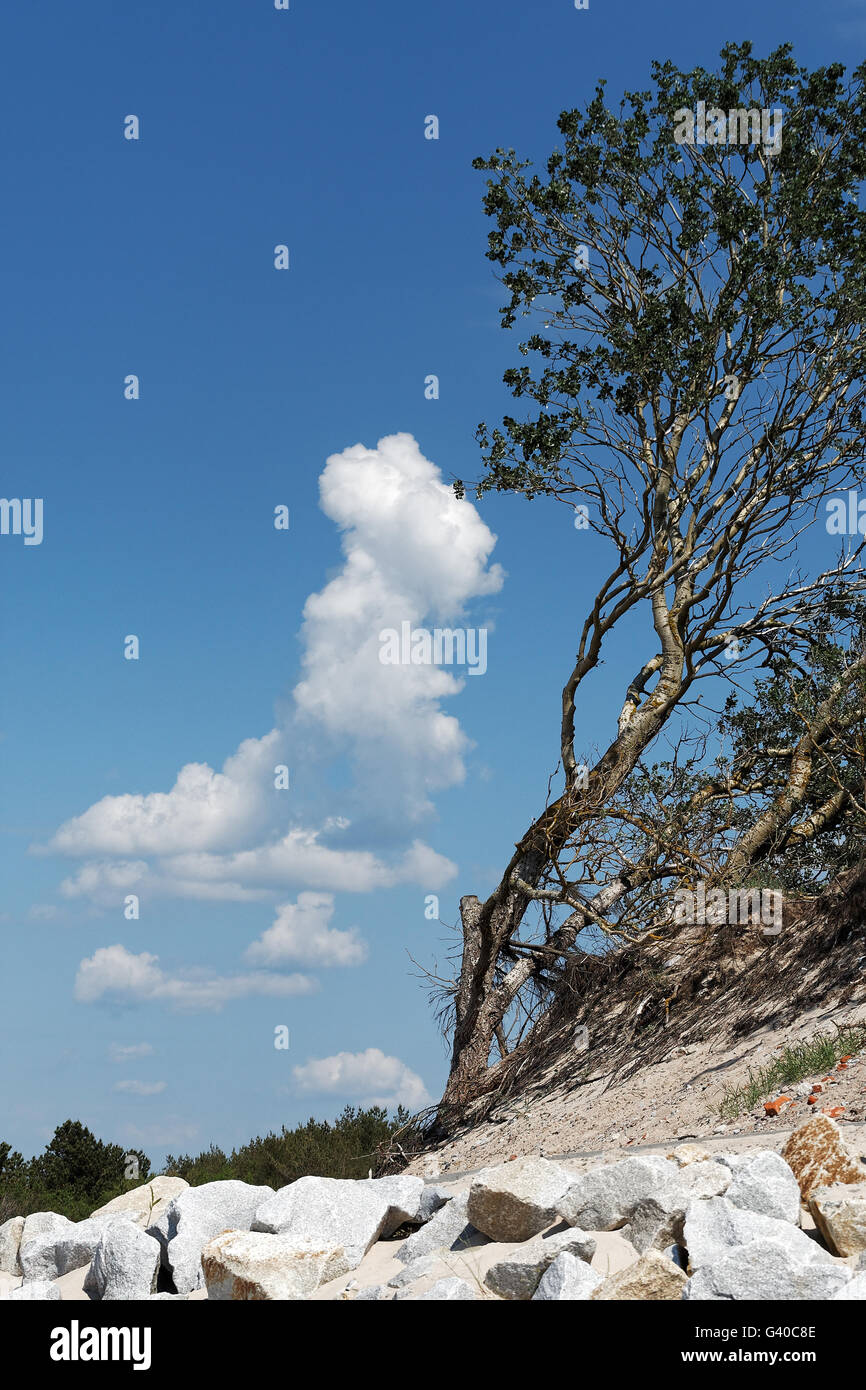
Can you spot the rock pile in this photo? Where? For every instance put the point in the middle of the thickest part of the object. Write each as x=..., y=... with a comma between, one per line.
x=753, y=1225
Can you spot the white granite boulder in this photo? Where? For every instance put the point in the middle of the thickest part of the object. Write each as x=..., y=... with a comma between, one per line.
x=449, y=1229
x=68, y=1247
x=515, y=1201
x=245, y=1266
x=656, y=1222
x=43, y=1223
x=517, y=1274
x=145, y=1205
x=10, y=1243
x=195, y=1217
x=714, y=1227
x=39, y=1291
x=448, y=1290
x=568, y=1279
x=766, y=1270
x=604, y=1198
x=125, y=1264
x=342, y=1215
x=763, y=1182
x=853, y=1291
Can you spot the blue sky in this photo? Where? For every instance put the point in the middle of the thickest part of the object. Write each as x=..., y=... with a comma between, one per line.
x=299, y=907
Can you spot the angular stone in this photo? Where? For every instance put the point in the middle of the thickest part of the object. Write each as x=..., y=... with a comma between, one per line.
x=39, y=1291
x=10, y=1242
x=817, y=1156
x=765, y=1270
x=854, y=1290
x=656, y=1222
x=433, y=1198
x=449, y=1229
x=764, y=1183
x=145, y=1205
x=568, y=1279
x=517, y=1275
x=404, y=1193
x=43, y=1223
x=714, y=1227
x=839, y=1213
x=125, y=1264
x=449, y=1290
x=252, y=1266
x=654, y=1276
x=705, y=1179
x=418, y=1269
x=517, y=1200
x=49, y=1256
x=195, y=1217
x=603, y=1199
x=338, y=1214
x=444, y=1291
x=685, y=1154
x=374, y=1293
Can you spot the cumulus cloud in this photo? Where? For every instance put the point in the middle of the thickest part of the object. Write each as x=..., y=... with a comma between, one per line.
x=369, y=1077
x=302, y=933
x=128, y=1052
x=301, y=858
x=203, y=810
x=105, y=881
x=298, y=859
x=115, y=973
x=140, y=1088
x=412, y=551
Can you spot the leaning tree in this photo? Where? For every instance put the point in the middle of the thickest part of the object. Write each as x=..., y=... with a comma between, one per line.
x=694, y=390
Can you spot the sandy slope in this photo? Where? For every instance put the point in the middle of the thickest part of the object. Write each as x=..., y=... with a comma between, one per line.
x=675, y=1098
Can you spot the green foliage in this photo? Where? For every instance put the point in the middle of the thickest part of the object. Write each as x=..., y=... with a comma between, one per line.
x=344, y=1149
x=776, y=242
x=79, y=1162
x=74, y=1175
x=796, y=1062
x=77, y=1172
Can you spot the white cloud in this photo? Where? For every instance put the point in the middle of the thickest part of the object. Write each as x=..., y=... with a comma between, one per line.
x=106, y=882
x=369, y=1077
x=140, y=1088
x=116, y=973
x=203, y=810
x=300, y=858
x=411, y=552
x=302, y=933
x=128, y=1052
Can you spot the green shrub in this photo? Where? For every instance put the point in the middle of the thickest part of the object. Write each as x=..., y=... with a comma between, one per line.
x=77, y=1173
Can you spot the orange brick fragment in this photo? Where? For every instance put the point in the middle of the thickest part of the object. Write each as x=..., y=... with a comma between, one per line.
x=832, y=1110
x=775, y=1107
x=813, y=1100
